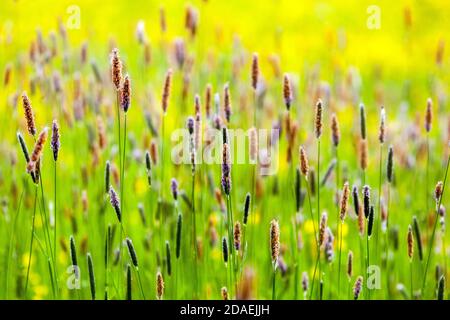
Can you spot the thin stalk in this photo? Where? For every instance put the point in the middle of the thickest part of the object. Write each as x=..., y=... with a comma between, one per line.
x=411, y=279
x=32, y=238
x=273, y=282
x=44, y=218
x=194, y=236
x=367, y=262
x=318, y=201
x=55, y=219
x=340, y=253
x=122, y=178
x=140, y=282
x=315, y=234
x=377, y=221
x=11, y=238
x=430, y=249
x=427, y=175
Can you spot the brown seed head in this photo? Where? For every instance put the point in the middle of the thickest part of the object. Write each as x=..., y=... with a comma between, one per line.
x=224, y=293
x=344, y=201
x=363, y=158
x=318, y=121
x=382, y=133
x=438, y=191
x=159, y=285
x=255, y=71
x=37, y=151
x=335, y=132
x=166, y=91
x=350, y=264
x=361, y=219
x=410, y=242
x=304, y=167
x=287, y=91
x=208, y=100
x=322, y=228
x=237, y=235
x=29, y=116
x=116, y=68
x=429, y=115
x=274, y=240
x=125, y=94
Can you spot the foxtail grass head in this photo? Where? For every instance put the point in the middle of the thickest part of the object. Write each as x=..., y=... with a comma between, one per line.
x=37, y=151
x=55, y=143
x=225, y=250
x=23, y=146
x=357, y=288
x=166, y=91
x=132, y=252
x=159, y=285
x=29, y=116
x=226, y=169
x=350, y=264
x=237, y=236
x=246, y=208
x=116, y=69
x=287, y=91
x=390, y=165
x=344, y=201
x=438, y=191
x=174, y=188
x=382, y=133
x=125, y=94
x=274, y=241
x=362, y=119
x=322, y=228
x=318, y=119
x=255, y=71
x=227, y=102
x=304, y=167
x=429, y=115
x=410, y=240
x=115, y=202
x=335, y=131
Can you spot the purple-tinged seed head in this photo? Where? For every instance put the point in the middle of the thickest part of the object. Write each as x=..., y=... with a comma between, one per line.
x=55, y=143
x=174, y=188
x=115, y=202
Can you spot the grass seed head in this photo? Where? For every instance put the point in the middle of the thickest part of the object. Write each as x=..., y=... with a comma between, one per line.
x=335, y=132
x=116, y=69
x=224, y=293
x=132, y=252
x=159, y=285
x=246, y=208
x=225, y=250
x=115, y=202
x=255, y=71
x=287, y=91
x=350, y=264
x=357, y=288
x=362, y=118
x=344, y=201
x=55, y=143
x=382, y=133
x=125, y=94
x=304, y=167
x=166, y=91
x=274, y=240
x=318, y=119
x=429, y=115
x=29, y=116
x=410, y=242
